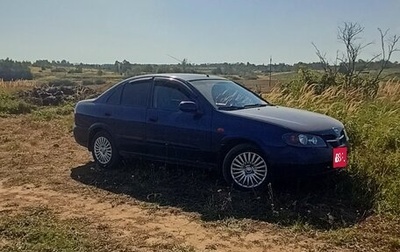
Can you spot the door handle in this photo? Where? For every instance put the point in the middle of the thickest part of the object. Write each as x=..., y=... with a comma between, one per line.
x=107, y=114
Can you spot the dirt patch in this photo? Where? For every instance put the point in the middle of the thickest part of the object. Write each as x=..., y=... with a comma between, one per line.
x=41, y=165
x=141, y=227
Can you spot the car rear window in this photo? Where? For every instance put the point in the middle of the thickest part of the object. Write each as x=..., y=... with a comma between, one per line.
x=135, y=94
x=115, y=97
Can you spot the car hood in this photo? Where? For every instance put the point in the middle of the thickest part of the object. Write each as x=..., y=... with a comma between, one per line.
x=294, y=119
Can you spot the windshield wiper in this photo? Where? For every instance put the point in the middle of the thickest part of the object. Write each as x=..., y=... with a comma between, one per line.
x=257, y=105
x=230, y=107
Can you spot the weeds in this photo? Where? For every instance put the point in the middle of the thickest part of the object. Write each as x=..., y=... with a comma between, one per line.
x=12, y=105
x=374, y=130
x=12, y=86
x=50, y=113
x=36, y=229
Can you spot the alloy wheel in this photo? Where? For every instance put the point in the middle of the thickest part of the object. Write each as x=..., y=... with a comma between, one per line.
x=248, y=169
x=102, y=150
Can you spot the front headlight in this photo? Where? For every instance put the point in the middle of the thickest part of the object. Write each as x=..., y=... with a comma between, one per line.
x=304, y=140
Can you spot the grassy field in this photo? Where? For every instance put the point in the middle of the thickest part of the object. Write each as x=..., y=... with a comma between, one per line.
x=374, y=130
x=87, y=77
x=55, y=199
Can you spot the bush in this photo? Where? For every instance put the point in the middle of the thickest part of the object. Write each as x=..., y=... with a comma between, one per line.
x=321, y=81
x=50, y=113
x=304, y=78
x=12, y=105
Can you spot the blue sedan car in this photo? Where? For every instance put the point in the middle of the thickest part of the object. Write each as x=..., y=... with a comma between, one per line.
x=207, y=121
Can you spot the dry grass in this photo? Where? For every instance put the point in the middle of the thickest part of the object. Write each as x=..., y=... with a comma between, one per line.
x=374, y=130
x=40, y=229
x=390, y=90
x=334, y=98
x=17, y=84
x=11, y=87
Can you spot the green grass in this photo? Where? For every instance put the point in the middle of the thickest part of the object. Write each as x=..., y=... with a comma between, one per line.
x=37, y=229
x=53, y=112
x=10, y=104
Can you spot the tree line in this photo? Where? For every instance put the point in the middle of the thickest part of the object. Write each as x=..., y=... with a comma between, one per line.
x=13, y=70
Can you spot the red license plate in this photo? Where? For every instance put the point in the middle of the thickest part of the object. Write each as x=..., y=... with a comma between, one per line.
x=339, y=157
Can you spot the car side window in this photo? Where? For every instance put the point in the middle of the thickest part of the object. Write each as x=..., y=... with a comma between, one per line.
x=135, y=94
x=115, y=97
x=168, y=95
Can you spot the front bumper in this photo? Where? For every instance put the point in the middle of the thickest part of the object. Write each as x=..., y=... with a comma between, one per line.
x=297, y=161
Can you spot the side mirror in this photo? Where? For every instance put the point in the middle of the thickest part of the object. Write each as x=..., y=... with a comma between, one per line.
x=188, y=106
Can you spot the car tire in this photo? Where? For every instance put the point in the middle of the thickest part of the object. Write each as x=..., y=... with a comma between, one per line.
x=104, y=151
x=245, y=167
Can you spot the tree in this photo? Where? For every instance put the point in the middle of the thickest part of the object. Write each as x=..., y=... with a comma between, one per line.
x=217, y=71
x=350, y=66
x=386, y=54
x=14, y=70
x=126, y=67
x=42, y=63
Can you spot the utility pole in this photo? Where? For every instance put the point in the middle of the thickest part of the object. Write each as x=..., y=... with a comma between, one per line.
x=270, y=70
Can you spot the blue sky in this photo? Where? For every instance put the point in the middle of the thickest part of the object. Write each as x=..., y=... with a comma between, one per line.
x=206, y=31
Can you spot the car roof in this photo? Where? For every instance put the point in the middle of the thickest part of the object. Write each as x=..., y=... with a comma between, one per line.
x=181, y=76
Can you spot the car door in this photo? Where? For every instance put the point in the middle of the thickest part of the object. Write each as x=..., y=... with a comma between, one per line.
x=173, y=134
x=130, y=118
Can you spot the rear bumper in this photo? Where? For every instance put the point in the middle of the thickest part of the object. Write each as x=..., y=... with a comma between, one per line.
x=81, y=136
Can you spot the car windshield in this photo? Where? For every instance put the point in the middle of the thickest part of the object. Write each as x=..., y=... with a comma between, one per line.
x=227, y=95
